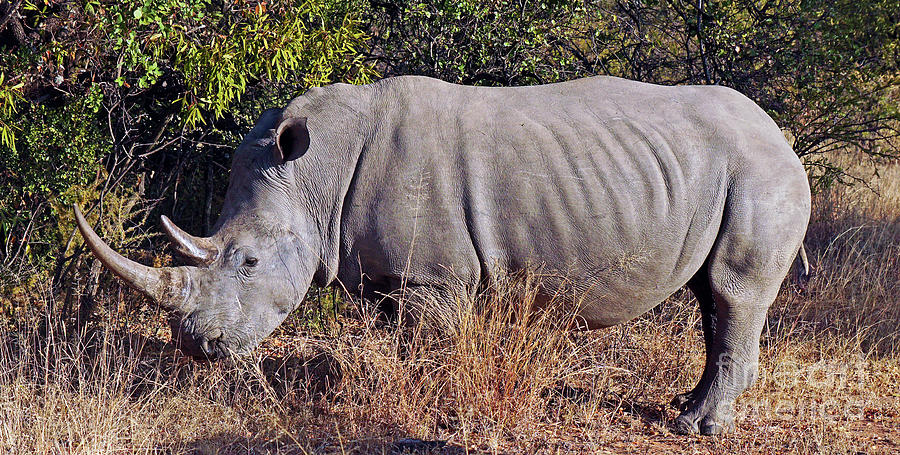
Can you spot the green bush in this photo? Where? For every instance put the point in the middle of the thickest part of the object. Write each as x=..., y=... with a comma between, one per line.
x=108, y=95
x=478, y=42
x=106, y=101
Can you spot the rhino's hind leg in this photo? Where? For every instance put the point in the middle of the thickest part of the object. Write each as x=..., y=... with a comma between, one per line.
x=756, y=246
x=700, y=287
x=731, y=367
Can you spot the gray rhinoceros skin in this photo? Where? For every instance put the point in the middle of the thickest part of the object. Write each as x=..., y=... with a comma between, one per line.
x=622, y=191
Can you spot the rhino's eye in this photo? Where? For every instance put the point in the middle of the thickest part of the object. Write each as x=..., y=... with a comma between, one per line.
x=250, y=261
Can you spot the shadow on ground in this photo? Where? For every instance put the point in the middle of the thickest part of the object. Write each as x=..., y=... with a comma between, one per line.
x=646, y=412
x=227, y=444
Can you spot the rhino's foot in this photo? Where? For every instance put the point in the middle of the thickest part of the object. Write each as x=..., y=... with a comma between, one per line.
x=708, y=425
x=682, y=401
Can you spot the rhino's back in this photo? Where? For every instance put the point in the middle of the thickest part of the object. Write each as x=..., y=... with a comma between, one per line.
x=615, y=186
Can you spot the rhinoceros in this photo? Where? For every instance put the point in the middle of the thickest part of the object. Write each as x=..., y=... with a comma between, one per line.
x=627, y=191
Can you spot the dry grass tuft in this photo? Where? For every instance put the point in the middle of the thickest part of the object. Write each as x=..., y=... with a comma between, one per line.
x=855, y=240
x=499, y=374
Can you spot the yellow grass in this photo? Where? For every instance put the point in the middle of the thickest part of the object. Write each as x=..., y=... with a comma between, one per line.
x=507, y=378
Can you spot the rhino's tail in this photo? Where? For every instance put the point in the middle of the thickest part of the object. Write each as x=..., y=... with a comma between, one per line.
x=804, y=261
x=803, y=275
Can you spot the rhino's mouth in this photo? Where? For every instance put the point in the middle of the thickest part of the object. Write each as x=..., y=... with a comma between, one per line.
x=208, y=344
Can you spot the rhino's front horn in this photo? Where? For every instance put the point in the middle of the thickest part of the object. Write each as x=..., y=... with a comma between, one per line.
x=198, y=250
x=167, y=286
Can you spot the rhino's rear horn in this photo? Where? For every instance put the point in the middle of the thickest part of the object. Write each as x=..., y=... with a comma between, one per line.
x=197, y=250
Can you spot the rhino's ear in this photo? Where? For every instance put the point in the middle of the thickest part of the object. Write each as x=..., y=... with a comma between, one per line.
x=291, y=139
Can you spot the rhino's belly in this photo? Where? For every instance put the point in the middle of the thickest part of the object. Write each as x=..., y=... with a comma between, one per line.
x=603, y=304
x=611, y=293
x=614, y=268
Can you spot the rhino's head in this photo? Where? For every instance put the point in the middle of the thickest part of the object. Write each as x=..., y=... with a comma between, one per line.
x=259, y=262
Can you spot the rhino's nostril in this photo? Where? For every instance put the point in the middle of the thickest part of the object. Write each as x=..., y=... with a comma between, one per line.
x=215, y=334
x=212, y=344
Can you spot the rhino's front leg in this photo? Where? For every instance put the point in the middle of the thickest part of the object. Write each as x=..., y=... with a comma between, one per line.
x=413, y=304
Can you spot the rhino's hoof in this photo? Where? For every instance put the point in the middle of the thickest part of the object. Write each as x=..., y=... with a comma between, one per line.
x=708, y=426
x=685, y=425
x=682, y=401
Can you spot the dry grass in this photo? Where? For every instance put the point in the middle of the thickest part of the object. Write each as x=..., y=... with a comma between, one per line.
x=505, y=379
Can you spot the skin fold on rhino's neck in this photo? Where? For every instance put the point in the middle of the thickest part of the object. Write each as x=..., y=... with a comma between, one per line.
x=341, y=124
